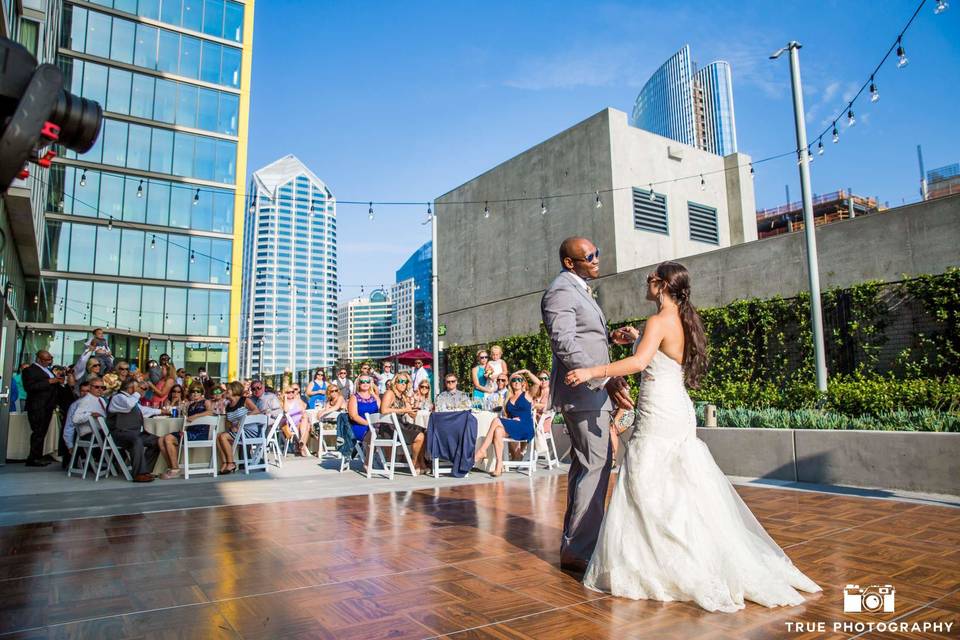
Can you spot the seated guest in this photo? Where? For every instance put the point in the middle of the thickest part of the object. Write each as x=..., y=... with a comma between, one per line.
x=335, y=403
x=365, y=371
x=122, y=369
x=70, y=428
x=499, y=395
x=451, y=398
x=236, y=407
x=295, y=412
x=363, y=402
x=421, y=396
x=396, y=400
x=162, y=388
x=317, y=391
x=197, y=407
x=517, y=421
x=174, y=398
x=541, y=401
x=266, y=401
x=126, y=421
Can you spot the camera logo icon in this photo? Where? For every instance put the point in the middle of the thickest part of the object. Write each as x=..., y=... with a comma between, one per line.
x=874, y=598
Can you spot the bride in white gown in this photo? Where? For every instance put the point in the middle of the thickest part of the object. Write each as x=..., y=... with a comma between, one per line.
x=675, y=528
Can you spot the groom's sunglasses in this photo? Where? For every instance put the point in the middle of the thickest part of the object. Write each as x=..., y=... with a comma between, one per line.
x=590, y=257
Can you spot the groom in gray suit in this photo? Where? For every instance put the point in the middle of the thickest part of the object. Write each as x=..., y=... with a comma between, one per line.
x=578, y=338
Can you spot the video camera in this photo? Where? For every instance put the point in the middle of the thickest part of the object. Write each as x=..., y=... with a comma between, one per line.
x=36, y=111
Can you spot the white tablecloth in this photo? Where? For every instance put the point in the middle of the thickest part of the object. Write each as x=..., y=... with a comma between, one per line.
x=18, y=437
x=161, y=426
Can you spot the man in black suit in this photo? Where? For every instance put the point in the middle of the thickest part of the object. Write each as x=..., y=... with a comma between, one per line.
x=41, y=385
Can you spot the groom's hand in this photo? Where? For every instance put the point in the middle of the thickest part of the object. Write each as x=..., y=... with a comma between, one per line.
x=619, y=392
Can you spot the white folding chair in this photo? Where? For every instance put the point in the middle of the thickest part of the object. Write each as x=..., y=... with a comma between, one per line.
x=546, y=445
x=378, y=444
x=529, y=459
x=323, y=449
x=251, y=451
x=295, y=431
x=84, y=446
x=211, y=422
x=110, y=459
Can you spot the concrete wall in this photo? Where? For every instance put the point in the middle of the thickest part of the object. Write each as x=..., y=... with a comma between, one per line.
x=639, y=158
x=911, y=461
x=915, y=239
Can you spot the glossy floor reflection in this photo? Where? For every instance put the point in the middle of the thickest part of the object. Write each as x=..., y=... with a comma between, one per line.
x=471, y=561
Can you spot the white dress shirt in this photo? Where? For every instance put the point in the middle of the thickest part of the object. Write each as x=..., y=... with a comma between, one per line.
x=86, y=407
x=125, y=402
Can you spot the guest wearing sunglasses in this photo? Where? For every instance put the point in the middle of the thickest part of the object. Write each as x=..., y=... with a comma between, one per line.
x=479, y=374
x=363, y=402
x=335, y=403
x=541, y=401
x=397, y=400
x=517, y=423
x=296, y=413
x=451, y=398
x=421, y=396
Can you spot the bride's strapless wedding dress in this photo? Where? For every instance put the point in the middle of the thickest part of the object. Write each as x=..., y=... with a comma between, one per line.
x=675, y=528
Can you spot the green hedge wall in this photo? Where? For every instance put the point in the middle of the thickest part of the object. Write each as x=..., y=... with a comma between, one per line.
x=761, y=354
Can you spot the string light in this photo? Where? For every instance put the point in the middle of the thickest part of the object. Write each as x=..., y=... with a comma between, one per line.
x=599, y=204
x=543, y=207
x=902, y=59
x=874, y=94
x=486, y=210
x=196, y=197
x=253, y=203
x=942, y=5
x=140, y=189
x=850, y=119
x=820, y=146
x=370, y=211
x=703, y=183
x=153, y=242
x=751, y=170
x=193, y=257
x=83, y=178
x=110, y=223
x=836, y=134
x=653, y=196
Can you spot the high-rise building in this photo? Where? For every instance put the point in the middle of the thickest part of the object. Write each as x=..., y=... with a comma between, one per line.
x=418, y=267
x=403, y=323
x=289, y=299
x=691, y=106
x=141, y=231
x=364, y=325
x=943, y=181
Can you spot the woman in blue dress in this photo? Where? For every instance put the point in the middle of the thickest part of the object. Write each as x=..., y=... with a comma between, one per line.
x=481, y=383
x=517, y=420
x=363, y=402
x=317, y=391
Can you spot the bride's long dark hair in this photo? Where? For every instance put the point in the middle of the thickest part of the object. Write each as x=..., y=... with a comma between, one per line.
x=676, y=282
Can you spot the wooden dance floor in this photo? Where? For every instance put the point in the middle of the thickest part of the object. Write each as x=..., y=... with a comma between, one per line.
x=471, y=561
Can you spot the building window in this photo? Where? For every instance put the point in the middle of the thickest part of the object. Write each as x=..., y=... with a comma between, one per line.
x=703, y=223
x=650, y=215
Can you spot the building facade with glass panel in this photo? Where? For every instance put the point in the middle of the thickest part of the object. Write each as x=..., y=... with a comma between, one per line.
x=141, y=231
x=418, y=267
x=691, y=106
x=365, y=327
x=403, y=336
x=289, y=293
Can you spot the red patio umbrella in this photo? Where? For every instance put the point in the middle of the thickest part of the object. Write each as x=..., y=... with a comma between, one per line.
x=409, y=357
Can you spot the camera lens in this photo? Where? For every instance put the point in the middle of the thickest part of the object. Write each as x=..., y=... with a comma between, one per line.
x=79, y=120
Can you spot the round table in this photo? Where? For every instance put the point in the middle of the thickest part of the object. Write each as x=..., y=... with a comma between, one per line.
x=163, y=425
x=484, y=419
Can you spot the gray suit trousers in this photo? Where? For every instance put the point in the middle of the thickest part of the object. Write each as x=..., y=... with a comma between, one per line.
x=586, y=483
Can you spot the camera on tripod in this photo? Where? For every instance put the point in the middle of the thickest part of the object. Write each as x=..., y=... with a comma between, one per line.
x=36, y=111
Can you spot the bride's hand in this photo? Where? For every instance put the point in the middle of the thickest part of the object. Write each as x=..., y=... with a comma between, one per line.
x=576, y=377
x=626, y=335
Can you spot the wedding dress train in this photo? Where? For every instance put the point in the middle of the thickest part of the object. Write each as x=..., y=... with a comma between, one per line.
x=675, y=528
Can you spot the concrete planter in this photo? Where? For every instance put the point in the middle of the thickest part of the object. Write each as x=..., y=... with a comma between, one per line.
x=910, y=461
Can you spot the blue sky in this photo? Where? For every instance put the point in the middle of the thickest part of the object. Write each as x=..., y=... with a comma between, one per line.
x=404, y=101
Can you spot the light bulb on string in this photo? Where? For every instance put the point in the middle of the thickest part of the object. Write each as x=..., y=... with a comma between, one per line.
x=751, y=170
x=226, y=267
x=109, y=223
x=253, y=203
x=370, y=212
x=902, y=59
x=942, y=5
x=83, y=179
x=599, y=204
x=140, y=189
x=196, y=197
x=874, y=94
x=850, y=119
x=810, y=154
x=703, y=183
x=836, y=134
x=543, y=207
x=820, y=147
x=486, y=210
x=652, y=196
x=193, y=257
x=153, y=242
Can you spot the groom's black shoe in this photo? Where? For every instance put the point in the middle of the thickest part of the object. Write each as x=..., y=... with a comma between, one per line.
x=573, y=567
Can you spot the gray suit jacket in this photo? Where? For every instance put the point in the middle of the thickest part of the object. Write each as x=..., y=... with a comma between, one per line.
x=578, y=338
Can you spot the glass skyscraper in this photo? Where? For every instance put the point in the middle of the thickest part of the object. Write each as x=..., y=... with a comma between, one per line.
x=691, y=106
x=140, y=230
x=418, y=267
x=289, y=306
x=365, y=327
